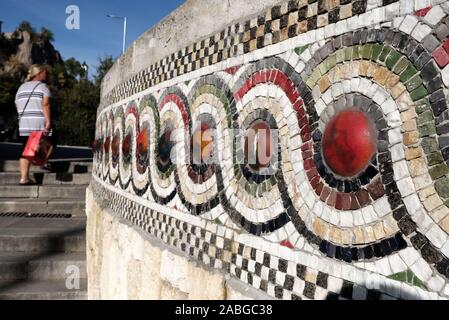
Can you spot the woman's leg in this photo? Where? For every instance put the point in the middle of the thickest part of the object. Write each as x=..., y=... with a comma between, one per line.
x=24, y=170
x=24, y=163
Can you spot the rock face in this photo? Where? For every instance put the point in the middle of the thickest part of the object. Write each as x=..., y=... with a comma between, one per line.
x=28, y=49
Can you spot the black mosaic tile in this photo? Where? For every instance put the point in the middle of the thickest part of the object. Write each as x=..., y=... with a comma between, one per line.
x=282, y=265
x=322, y=280
x=309, y=290
x=301, y=271
x=289, y=282
x=334, y=16
x=275, y=12
x=278, y=292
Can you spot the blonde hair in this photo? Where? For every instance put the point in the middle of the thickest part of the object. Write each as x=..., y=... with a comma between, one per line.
x=34, y=70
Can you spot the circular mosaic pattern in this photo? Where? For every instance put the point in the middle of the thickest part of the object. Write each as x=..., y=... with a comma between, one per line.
x=142, y=149
x=126, y=147
x=258, y=146
x=344, y=177
x=115, y=148
x=165, y=145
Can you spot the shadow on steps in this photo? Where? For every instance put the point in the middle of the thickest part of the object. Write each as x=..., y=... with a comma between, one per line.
x=57, y=243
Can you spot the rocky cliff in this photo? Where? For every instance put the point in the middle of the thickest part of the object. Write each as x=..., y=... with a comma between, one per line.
x=20, y=49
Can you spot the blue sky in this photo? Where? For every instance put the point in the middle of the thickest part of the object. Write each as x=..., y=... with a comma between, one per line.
x=98, y=35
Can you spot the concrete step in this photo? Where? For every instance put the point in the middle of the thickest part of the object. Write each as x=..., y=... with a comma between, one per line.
x=45, y=191
x=41, y=290
x=19, y=266
x=58, y=266
x=70, y=166
x=42, y=235
x=46, y=178
x=69, y=243
x=43, y=205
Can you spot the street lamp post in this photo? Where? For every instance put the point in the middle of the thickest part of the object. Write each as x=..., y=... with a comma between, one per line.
x=124, y=29
x=86, y=70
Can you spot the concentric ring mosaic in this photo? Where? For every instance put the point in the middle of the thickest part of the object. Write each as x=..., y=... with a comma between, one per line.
x=338, y=148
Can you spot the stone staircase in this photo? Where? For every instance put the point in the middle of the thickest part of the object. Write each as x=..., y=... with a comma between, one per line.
x=42, y=232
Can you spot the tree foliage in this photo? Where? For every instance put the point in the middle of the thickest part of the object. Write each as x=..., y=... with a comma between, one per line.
x=104, y=65
x=47, y=35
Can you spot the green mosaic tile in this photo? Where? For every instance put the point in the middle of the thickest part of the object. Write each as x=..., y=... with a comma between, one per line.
x=429, y=145
x=313, y=78
x=442, y=187
x=261, y=191
x=332, y=61
x=366, y=51
x=202, y=90
x=245, y=186
x=340, y=56
x=392, y=59
x=418, y=93
x=401, y=65
x=376, y=50
x=413, y=83
x=300, y=50
x=348, y=53
x=438, y=171
x=323, y=67
x=409, y=72
x=427, y=130
x=425, y=117
x=355, y=52
x=408, y=277
x=239, y=175
x=434, y=158
x=383, y=55
x=422, y=105
x=252, y=189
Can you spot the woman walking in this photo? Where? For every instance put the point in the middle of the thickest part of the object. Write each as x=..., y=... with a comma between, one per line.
x=33, y=107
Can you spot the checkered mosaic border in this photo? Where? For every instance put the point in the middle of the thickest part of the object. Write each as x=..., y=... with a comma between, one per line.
x=277, y=277
x=278, y=24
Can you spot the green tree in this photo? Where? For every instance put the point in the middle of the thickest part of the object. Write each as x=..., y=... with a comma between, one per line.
x=47, y=35
x=73, y=69
x=105, y=64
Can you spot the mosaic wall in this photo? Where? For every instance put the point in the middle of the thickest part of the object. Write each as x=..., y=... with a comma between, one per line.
x=351, y=200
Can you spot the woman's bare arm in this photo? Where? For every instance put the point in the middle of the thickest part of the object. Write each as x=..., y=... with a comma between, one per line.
x=47, y=113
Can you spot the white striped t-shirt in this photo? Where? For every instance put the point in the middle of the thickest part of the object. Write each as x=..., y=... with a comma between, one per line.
x=33, y=118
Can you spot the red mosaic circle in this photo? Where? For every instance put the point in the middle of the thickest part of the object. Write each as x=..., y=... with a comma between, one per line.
x=142, y=142
x=349, y=142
